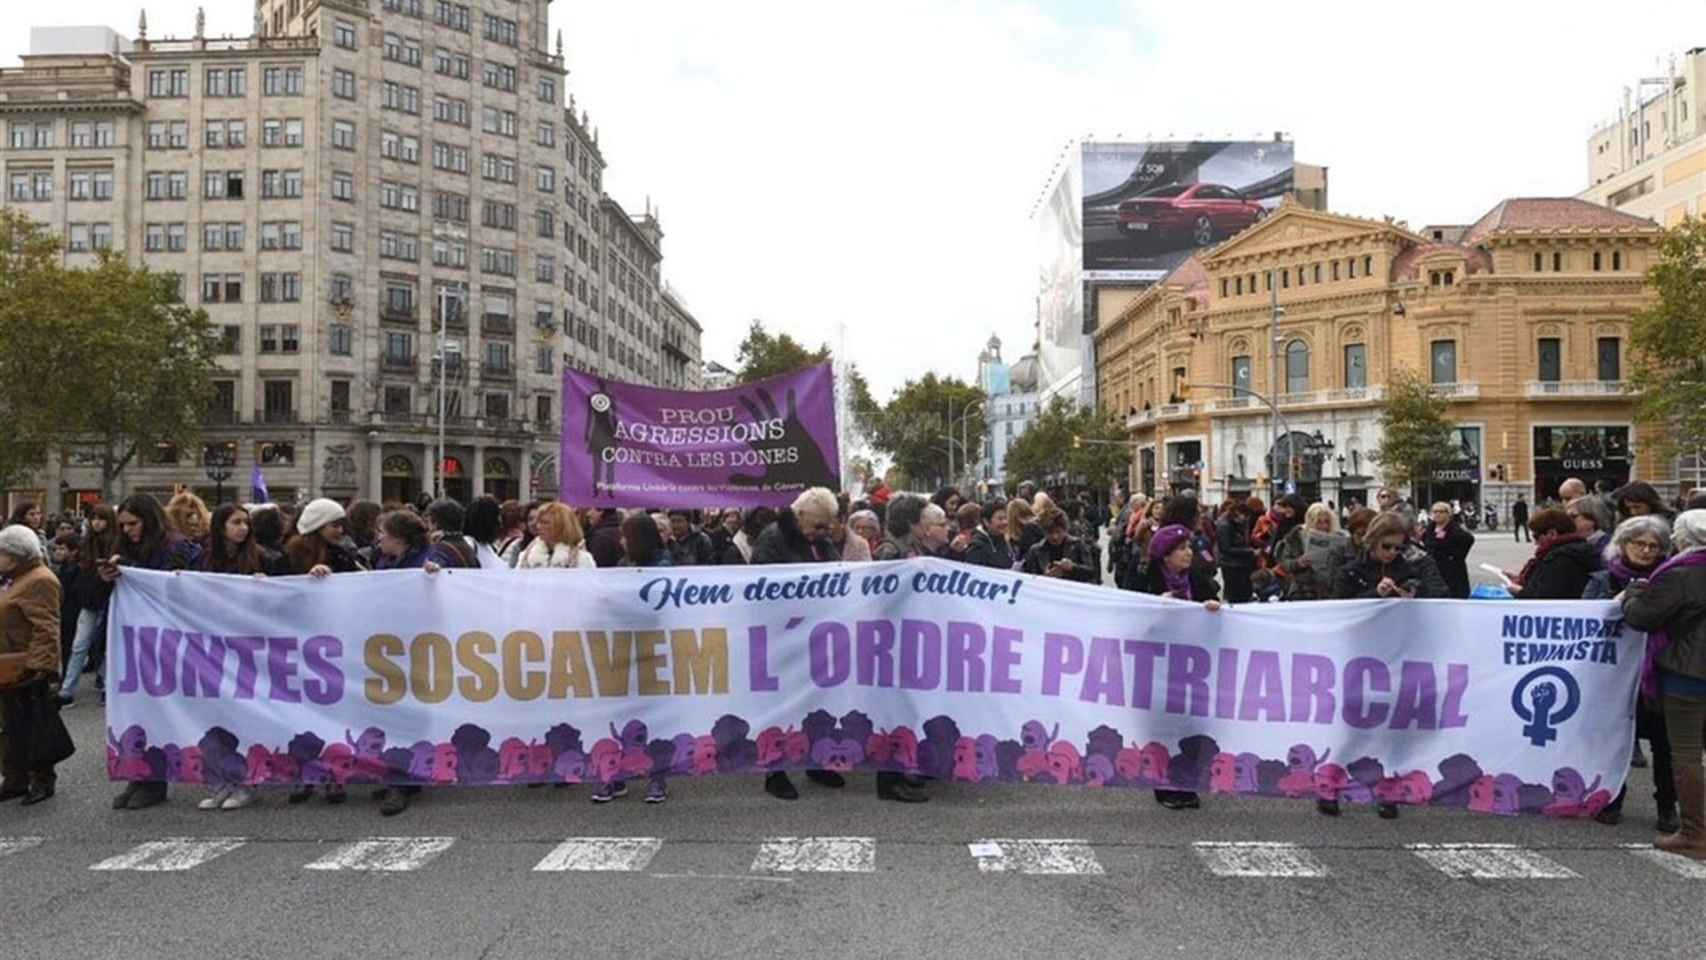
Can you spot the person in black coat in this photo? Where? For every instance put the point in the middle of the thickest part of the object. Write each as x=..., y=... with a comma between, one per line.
x=604, y=540
x=689, y=546
x=1060, y=554
x=1563, y=559
x=1382, y=570
x=989, y=546
x=1448, y=544
x=1232, y=546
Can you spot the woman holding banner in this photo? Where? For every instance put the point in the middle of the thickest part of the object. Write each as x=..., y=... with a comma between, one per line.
x=1636, y=549
x=558, y=543
x=145, y=541
x=1177, y=572
x=320, y=549
x=1671, y=607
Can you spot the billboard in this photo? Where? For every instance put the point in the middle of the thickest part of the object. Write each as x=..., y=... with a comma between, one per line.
x=1060, y=280
x=1148, y=206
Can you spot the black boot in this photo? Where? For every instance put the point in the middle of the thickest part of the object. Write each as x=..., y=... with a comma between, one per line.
x=893, y=786
x=1327, y=808
x=826, y=778
x=779, y=786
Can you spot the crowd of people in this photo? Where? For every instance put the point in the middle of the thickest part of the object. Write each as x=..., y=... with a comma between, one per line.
x=1629, y=546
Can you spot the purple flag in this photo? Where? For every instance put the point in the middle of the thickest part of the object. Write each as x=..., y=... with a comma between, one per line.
x=258, y=487
x=760, y=444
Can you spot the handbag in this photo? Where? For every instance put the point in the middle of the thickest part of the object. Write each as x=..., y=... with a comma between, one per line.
x=33, y=725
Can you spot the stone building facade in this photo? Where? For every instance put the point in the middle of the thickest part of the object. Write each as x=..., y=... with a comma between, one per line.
x=1521, y=321
x=370, y=198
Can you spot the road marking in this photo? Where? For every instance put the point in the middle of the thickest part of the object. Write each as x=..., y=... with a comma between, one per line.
x=1057, y=857
x=1675, y=863
x=10, y=845
x=395, y=854
x=171, y=854
x=719, y=877
x=601, y=854
x=1258, y=859
x=816, y=855
x=1489, y=861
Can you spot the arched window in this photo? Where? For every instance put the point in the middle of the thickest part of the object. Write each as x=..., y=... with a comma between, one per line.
x=1297, y=367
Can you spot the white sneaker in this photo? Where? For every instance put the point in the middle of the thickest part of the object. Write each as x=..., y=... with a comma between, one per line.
x=239, y=798
x=213, y=802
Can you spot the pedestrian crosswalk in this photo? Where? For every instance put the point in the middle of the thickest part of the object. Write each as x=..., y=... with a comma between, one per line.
x=789, y=856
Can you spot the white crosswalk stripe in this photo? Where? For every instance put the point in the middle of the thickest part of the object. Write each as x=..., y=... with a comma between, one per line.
x=1057, y=857
x=171, y=854
x=816, y=855
x=601, y=854
x=393, y=854
x=1679, y=865
x=10, y=845
x=1490, y=861
x=1258, y=859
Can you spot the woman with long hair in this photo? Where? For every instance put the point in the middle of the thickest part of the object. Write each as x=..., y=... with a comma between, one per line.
x=483, y=524
x=559, y=543
x=187, y=516
x=232, y=547
x=1023, y=531
x=642, y=542
x=515, y=528
x=91, y=594
x=145, y=542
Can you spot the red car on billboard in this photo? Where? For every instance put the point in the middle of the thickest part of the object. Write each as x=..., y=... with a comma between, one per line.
x=1200, y=212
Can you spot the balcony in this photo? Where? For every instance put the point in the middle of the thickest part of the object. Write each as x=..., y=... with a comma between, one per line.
x=1576, y=389
x=396, y=363
x=221, y=417
x=1469, y=390
x=277, y=415
x=497, y=323
x=1174, y=411
x=492, y=371
x=1140, y=418
x=394, y=313
x=338, y=416
x=452, y=320
x=1234, y=405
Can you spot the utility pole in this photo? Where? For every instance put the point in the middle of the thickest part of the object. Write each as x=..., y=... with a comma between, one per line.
x=1274, y=315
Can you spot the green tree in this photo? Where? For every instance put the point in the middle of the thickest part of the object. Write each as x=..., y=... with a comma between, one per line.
x=32, y=352
x=1416, y=435
x=1669, y=340
x=913, y=427
x=1066, y=443
x=763, y=354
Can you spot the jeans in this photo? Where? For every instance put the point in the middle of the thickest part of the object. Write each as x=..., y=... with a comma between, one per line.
x=89, y=626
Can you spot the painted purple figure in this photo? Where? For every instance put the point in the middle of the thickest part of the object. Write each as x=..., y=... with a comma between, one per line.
x=735, y=750
x=221, y=764
x=837, y=754
x=1246, y=773
x=1035, y=736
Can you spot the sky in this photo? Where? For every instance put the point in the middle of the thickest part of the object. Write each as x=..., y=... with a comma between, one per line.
x=865, y=173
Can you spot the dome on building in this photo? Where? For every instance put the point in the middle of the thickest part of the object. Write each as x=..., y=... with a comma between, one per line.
x=1024, y=374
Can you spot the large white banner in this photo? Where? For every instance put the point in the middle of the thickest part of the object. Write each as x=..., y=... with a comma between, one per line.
x=488, y=677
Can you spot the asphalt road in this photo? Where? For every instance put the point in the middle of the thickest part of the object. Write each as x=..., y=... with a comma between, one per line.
x=506, y=872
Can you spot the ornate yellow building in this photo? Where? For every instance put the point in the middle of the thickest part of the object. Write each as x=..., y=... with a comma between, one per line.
x=1520, y=319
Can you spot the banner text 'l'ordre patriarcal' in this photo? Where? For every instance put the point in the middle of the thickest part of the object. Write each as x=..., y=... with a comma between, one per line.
x=475, y=677
x=759, y=444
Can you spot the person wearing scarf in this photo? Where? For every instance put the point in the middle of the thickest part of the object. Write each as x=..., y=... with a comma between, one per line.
x=1175, y=571
x=1563, y=559
x=1634, y=552
x=1670, y=606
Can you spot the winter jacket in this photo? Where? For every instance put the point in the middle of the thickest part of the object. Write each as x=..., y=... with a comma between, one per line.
x=1606, y=584
x=903, y=548
x=1030, y=535
x=29, y=618
x=784, y=542
x=854, y=549
x=1232, y=543
x=605, y=539
x=724, y=551
x=988, y=550
x=693, y=550
x=1326, y=555
x=1084, y=566
x=538, y=556
x=1561, y=574
x=1675, y=603
x=1360, y=579
x=1451, y=556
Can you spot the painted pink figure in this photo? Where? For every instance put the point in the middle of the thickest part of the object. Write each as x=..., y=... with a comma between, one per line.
x=1389, y=790
x=1223, y=773
x=283, y=767
x=1481, y=794
x=1129, y=764
x=965, y=760
x=1299, y=780
x=512, y=760
x=1153, y=763
x=1568, y=793
x=605, y=764
x=129, y=747
x=340, y=762
x=1418, y=788
x=903, y=749
x=445, y=763
x=878, y=749
x=1330, y=779
x=704, y=755
x=260, y=765
x=772, y=746
x=1595, y=802
x=799, y=746
x=189, y=766
x=1065, y=764
x=538, y=762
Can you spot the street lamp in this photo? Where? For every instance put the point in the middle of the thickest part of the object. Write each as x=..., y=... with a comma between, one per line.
x=1273, y=408
x=965, y=439
x=218, y=470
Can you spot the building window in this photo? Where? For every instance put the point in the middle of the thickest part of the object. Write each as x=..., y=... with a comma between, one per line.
x=497, y=406
x=281, y=81
x=496, y=166
x=1444, y=361
x=1610, y=359
x=547, y=136
x=101, y=236
x=343, y=84
x=399, y=246
x=1557, y=262
x=497, y=357
x=281, y=287
x=1616, y=259
x=1596, y=261
x=169, y=83
x=401, y=49
x=452, y=15
x=450, y=206
x=343, y=289
x=224, y=81
x=450, y=110
x=541, y=410
x=495, y=213
x=340, y=340
x=1356, y=366
x=546, y=180
x=401, y=97
x=343, y=187
x=1539, y=261
x=343, y=237
x=398, y=146
x=343, y=34
x=500, y=122
x=1240, y=375
x=545, y=269
x=1297, y=367
x=1317, y=273
x=548, y=89
x=450, y=252
x=281, y=184
x=450, y=64
x=343, y=135
x=230, y=339
x=501, y=30
x=399, y=196
x=543, y=357
x=451, y=158
x=1550, y=351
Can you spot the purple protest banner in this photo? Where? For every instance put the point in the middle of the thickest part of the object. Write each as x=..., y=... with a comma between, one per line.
x=755, y=445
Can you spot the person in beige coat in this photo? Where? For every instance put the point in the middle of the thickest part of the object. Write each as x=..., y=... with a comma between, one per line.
x=29, y=664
